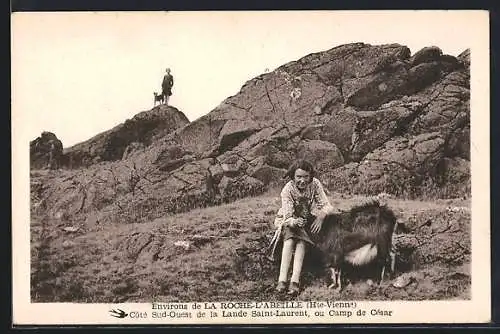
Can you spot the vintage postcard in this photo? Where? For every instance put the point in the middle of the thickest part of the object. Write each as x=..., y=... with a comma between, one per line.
x=280, y=167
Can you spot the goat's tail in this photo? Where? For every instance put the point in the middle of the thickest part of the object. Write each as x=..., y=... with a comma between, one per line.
x=360, y=248
x=362, y=255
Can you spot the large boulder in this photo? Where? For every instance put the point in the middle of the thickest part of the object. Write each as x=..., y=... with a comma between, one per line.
x=323, y=155
x=374, y=128
x=338, y=129
x=399, y=167
x=46, y=151
x=136, y=133
x=262, y=171
x=397, y=78
x=426, y=55
x=233, y=132
x=445, y=101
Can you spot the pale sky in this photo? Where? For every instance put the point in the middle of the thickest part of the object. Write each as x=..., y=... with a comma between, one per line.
x=78, y=74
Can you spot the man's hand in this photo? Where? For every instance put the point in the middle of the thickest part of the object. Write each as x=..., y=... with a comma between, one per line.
x=316, y=225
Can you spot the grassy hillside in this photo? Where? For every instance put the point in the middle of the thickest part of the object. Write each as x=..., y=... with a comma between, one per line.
x=212, y=254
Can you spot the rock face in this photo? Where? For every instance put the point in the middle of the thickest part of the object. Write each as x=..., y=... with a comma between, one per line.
x=372, y=119
x=140, y=131
x=46, y=151
x=435, y=236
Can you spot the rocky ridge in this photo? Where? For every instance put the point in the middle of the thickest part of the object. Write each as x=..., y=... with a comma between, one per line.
x=372, y=119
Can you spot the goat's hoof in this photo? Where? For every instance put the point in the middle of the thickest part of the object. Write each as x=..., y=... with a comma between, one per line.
x=402, y=281
x=335, y=287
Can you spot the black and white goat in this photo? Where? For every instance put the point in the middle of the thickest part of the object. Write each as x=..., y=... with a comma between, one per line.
x=357, y=239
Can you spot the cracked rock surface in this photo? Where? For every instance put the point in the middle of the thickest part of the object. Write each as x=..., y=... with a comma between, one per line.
x=373, y=118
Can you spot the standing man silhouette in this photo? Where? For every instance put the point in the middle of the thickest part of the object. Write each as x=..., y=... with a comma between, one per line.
x=166, y=85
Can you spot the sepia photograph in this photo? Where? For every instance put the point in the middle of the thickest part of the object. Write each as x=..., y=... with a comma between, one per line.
x=251, y=167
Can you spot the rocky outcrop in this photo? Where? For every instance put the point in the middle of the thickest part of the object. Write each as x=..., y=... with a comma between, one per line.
x=434, y=237
x=324, y=155
x=371, y=118
x=399, y=166
x=46, y=151
x=136, y=133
